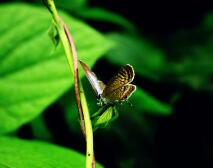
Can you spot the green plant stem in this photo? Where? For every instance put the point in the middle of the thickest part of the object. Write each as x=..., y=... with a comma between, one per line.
x=71, y=55
x=60, y=28
x=90, y=157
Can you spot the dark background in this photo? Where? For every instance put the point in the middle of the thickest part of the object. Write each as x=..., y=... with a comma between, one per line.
x=184, y=139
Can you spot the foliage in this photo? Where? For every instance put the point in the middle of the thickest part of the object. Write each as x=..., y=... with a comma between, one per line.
x=192, y=65
x=33, y=73
x=16, y=153
x=131, y=49
x=34, y=76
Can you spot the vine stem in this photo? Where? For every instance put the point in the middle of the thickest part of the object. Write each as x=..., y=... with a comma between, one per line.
x=71, y=54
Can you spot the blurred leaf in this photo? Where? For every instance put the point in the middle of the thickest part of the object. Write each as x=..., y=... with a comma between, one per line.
x=70, y=4
x=17, y=153
x=40, y=129
x=194, y=51
x=103, y=15
x=208, y=21
x=32, y=73
x=148, y=61
x=144, y=102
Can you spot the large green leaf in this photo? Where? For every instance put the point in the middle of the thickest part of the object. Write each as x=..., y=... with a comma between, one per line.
x=17, y=153
x=33, y=74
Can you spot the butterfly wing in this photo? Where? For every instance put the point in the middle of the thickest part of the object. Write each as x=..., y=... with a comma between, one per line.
x=122, y=93
x=124, y=76
x=98, y=86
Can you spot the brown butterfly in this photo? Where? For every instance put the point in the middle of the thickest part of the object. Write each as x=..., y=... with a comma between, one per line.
x=118, y=89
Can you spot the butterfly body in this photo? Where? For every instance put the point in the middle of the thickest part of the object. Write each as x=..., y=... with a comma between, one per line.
x=117, y=90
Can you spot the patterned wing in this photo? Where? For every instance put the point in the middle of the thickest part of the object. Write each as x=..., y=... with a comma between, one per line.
x=98, y=86
x=121, y=94
x=124, y=76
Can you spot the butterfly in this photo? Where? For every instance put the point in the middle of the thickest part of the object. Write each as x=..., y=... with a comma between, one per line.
x=118, y=89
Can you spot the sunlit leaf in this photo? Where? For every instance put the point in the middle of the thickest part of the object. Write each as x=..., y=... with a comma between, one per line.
x=33, y=73
x=103, y=119
x=17, y=153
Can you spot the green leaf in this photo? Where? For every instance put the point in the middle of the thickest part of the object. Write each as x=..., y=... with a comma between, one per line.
x=208, y=21
x=40, y=129
x=141, y=103
x=194, y=56
x=104, y=117
x=70, y=4
x=17, y=153
x=147, y=60
x=144, y=102
x=33, y=74
x=103, y=15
